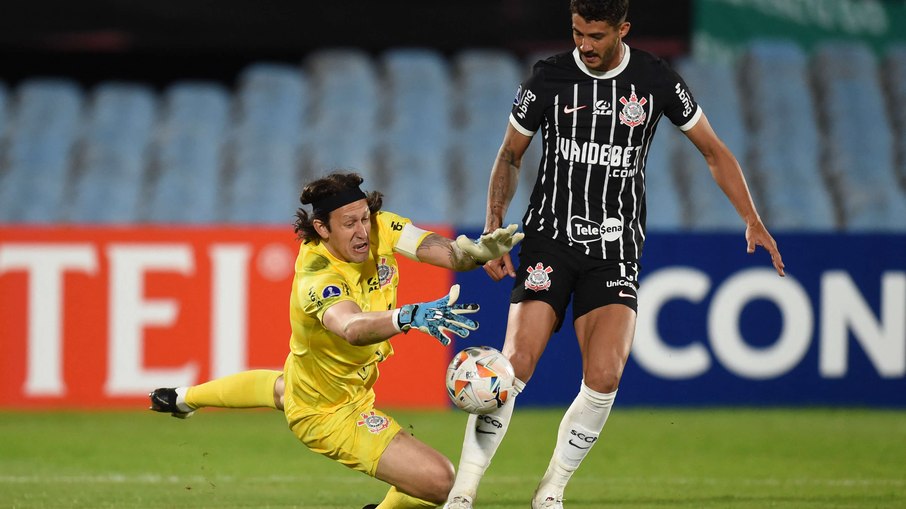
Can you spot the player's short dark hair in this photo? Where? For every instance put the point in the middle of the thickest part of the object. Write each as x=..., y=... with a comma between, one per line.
x=611, y=11
x=326, y=187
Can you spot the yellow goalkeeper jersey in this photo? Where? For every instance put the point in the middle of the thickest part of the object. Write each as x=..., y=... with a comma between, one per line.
x=323, y=371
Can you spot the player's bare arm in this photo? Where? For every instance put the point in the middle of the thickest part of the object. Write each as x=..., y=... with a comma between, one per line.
x=347, y=320
x=501, y=189
x=727, y=173
x=443, y=252
x=505, y=176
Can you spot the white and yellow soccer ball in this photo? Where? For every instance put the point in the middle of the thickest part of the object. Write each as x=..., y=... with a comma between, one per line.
x=480, y=379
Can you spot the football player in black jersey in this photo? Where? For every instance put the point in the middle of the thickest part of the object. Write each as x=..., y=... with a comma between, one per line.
x=597, y=107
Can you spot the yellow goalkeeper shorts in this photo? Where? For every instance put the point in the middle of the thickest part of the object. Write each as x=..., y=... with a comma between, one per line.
x=355, y=435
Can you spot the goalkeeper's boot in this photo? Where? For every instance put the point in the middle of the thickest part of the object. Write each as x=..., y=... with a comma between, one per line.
x=459, y=502
x=370, y=506
x=164, y=400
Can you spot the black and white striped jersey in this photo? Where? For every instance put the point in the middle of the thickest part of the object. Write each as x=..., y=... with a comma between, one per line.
x=596, y=130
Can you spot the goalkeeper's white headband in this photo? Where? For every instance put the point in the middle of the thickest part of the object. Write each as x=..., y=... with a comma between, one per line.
x=330, y=203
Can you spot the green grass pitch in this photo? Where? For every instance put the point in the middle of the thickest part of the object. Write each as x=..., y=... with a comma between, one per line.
x=659, y=458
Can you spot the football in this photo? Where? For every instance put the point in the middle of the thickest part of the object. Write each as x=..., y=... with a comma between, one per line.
x=479, y=379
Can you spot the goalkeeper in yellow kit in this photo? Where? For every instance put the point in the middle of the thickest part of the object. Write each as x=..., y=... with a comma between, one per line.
x=343, y=310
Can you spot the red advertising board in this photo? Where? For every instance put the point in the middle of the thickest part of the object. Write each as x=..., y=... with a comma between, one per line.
x=97, y=317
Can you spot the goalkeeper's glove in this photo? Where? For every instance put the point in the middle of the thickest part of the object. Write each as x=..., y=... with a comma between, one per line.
x=440, y=318
x=490, y=246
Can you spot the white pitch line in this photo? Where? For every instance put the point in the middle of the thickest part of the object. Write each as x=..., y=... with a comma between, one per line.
x=853, y=482
x=114, y=478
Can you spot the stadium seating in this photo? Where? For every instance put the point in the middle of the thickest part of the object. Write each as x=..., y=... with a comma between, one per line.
x=264, y=157
x=662, y=186
x=858, y=147
x=4, y=99
x=894, y=70
x=44, y=118
x=714, y=86
x=486, y=81
x=112, y=154
x=415, y=142
x=344, y=114
x=784, y=153
x=425, y=129
x=186, y=158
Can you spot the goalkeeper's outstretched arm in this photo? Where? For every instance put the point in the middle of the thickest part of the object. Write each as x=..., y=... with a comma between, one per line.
x=464, y=253
x=441, y=318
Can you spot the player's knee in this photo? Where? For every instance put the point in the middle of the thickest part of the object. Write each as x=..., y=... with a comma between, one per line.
x=441, y=483
x=279, y=388
x=523, y=364
x=604, y=382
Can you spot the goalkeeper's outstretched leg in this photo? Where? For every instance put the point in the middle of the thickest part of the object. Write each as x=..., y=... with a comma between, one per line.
x=257, y=388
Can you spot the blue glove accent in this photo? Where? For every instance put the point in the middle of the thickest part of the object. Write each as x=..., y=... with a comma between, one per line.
x=441, y=318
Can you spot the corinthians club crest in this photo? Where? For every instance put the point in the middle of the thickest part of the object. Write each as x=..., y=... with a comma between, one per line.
x=538, y=278
x=633, y=113
x=385, y=272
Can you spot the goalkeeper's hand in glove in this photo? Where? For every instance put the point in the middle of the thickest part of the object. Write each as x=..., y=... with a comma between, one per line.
x=490, y=246
x=441, y=318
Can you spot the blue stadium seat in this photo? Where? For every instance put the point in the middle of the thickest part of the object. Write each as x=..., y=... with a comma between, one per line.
x=714, y=87
x=417, y=139
x=272, y=104
x=486, y=82
x=187, y=154
x=344, y=153
x=894, y=70
x=114, y=146
x=472, y=158
x=785, y=141
x=197, y=106
x=4, y=116
x=46, y=115
x=345, y=109
x=419, y=186
x=662, y=190
x=858, y=145
x=418, y=94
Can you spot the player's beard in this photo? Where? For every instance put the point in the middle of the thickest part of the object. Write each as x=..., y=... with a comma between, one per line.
x=605, y=59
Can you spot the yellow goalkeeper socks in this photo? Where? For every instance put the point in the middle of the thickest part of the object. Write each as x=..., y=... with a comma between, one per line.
x=398, y=500
x=248, y=389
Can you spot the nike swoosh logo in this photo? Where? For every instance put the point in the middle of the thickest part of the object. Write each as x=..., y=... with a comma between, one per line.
x=483, y=432
x=623, y=294
x=576, y=446
x=567, y=110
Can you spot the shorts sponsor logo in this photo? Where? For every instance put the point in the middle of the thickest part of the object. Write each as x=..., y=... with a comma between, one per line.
x=538, y=278
x=633, y=114
x=375, y=423
x=583, y=230
x=330, y=291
